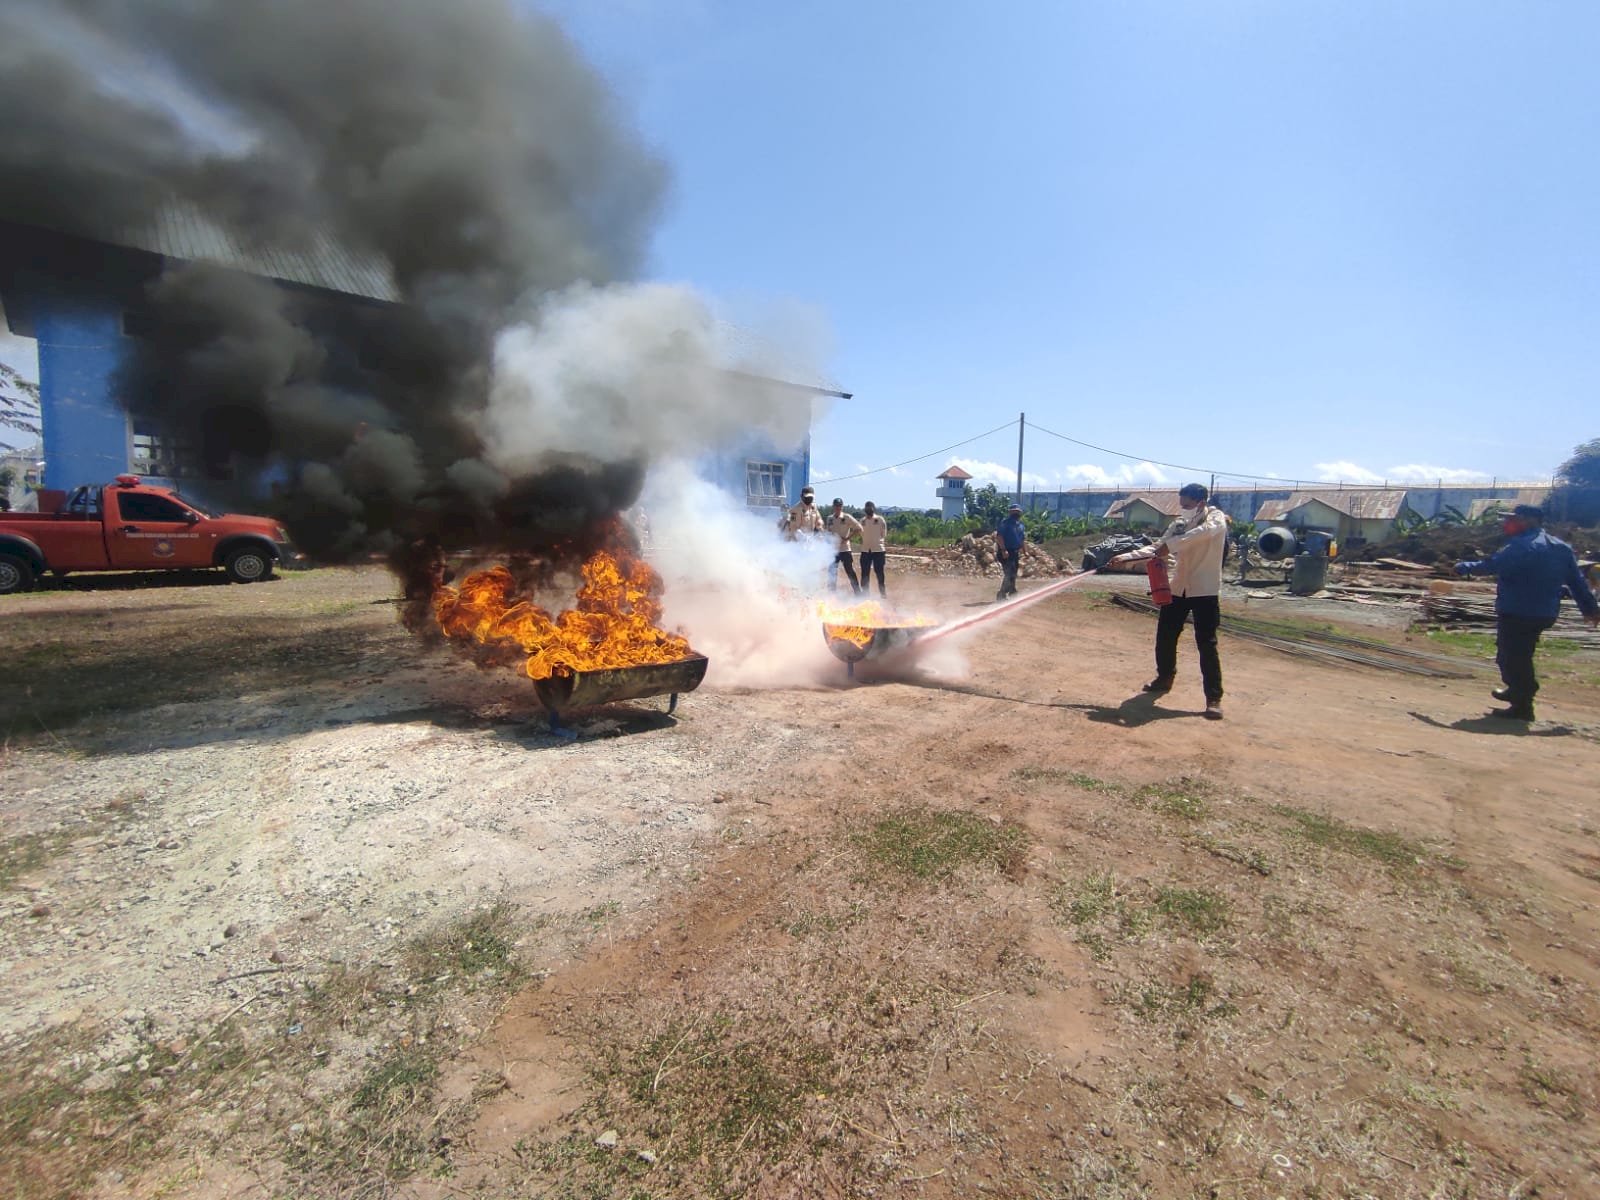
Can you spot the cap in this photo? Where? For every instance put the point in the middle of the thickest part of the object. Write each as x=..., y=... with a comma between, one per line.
x=837, y=500
x=808, y=491
x=1528, y=512
x=1014, y=508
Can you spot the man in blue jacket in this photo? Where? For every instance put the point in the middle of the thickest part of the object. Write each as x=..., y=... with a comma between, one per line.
x=1532, y=569
x=1009, y=539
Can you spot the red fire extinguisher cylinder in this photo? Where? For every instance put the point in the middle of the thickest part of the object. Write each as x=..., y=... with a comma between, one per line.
x=1160, y=581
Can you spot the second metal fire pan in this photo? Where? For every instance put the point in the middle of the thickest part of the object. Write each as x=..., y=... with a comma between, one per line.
x=884, y=639
x=586, y=688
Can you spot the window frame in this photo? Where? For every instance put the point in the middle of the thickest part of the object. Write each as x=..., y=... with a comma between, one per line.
x=772, y=472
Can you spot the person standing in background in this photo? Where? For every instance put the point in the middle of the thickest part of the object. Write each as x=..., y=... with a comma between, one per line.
x=843, y=527
x=1531, y=570
x=874, y=543
x=1009, y=540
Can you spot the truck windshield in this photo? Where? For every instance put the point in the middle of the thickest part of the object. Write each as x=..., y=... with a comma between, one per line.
x=199, y=508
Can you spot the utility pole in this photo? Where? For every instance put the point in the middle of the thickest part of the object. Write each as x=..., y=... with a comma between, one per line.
x=1022, y=428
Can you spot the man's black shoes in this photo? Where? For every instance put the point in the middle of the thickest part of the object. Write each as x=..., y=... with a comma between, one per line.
x=1517, y=712
x=1159, y=686
x=1501, y=693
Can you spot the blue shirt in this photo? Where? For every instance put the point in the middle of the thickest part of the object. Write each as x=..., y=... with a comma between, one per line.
x=1012, y=534
x=1532, y=568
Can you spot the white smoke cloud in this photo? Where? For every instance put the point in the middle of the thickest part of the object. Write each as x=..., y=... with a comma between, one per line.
x=1344, y=471
x=743, y=596
x=624, y=373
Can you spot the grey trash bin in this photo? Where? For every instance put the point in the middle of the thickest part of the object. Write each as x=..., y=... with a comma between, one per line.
x=1310, y=574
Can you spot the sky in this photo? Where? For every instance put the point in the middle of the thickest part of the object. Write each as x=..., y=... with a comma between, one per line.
x=1307, y=239
x=1298, y=239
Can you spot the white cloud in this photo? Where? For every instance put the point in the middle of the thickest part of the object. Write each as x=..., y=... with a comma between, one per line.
x=1002, y=476
x=1426, y=473
x=1125, y=475
x=1345, y=472
x=1349, y=472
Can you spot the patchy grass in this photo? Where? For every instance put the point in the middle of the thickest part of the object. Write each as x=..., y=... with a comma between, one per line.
x=1391, y=849
x=1199, y=912
x=1548, y=1088
x=1195, y=997
x=1059, y=775
x=1474, y=644
x=474, y=950
x=67, y=1115
x=1102, y=911
x=1185, y=799
x=184, y=644
x=22, y=856
x=687, y=1108
x=931, y=844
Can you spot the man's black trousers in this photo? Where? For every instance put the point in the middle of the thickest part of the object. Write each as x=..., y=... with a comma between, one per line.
x=846, y=560
x=1207, y=616
x=1515, y=641
x=872, y=560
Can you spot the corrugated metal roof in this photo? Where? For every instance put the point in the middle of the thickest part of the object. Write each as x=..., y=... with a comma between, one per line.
x=182, y=231
x=1165, y=503
x=1376, y=504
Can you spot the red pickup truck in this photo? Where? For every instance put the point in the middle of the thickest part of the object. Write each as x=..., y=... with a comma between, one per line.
x=132, y=526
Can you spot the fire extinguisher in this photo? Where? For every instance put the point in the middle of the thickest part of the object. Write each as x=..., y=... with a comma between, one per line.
x=1160, y=581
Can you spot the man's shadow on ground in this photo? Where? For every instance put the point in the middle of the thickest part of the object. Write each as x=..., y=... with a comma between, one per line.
x=1496, y=725
x=1134, y=711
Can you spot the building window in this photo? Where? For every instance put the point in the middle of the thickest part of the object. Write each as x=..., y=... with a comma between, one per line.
x=162, y=456
x=765, y=482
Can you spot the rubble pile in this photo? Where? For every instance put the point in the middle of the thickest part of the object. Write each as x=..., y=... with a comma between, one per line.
x=974, y=556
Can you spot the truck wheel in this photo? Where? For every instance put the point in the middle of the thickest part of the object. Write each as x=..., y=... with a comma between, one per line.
x=248, y=565
x=16, y=574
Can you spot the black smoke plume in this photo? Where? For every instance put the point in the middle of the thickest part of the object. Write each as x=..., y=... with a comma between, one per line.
x=463, y=148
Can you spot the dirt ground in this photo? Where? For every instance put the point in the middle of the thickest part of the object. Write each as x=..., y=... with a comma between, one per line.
x=291, y=906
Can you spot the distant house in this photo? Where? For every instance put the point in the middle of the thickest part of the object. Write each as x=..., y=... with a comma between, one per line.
x=952, y=493
x=1145, y=509
x=1352, y=517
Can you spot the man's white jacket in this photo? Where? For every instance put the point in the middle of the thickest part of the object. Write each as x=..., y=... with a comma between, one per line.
x=1197, y=544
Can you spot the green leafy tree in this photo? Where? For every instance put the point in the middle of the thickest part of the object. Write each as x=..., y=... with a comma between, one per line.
x=19, y=408
x=986, y=505
x=1576, y=496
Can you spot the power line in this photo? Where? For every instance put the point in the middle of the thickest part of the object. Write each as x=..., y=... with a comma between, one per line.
x=919, y=458
x=1277, y=479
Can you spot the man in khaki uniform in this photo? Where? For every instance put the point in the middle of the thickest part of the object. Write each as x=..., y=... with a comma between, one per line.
x=843, y=527
x=803, y=518
x=874, y=540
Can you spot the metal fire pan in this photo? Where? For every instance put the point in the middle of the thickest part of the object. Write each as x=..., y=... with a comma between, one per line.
x=884, y=639
x=587, y=688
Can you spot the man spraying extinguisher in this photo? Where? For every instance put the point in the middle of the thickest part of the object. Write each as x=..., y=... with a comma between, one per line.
x=1186, y=569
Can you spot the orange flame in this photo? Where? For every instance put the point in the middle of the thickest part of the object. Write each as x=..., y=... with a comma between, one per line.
x=614, y=623
x=857, y=623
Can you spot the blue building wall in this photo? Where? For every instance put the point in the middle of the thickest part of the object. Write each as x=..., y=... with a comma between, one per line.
x=730, y=471
x=81, y=350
